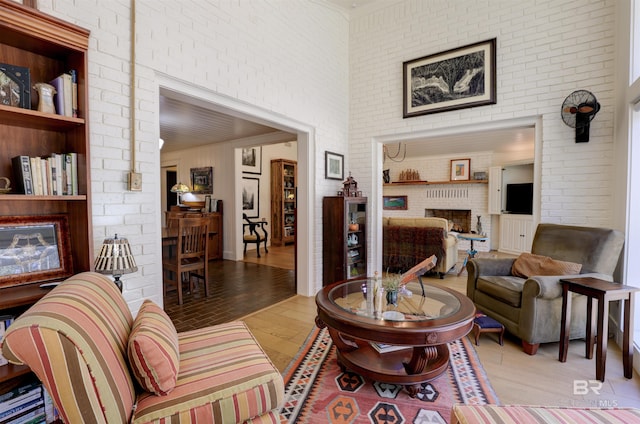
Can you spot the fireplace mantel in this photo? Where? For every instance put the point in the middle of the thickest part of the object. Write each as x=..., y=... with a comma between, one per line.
x=406, y=183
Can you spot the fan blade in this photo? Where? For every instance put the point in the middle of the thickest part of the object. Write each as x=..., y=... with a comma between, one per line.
x=586, y=109
x=570, y=109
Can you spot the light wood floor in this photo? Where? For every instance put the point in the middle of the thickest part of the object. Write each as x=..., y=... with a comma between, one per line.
x=516, y=377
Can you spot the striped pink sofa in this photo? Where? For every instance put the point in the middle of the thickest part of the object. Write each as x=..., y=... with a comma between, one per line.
x=76, y=340
x=523, y=414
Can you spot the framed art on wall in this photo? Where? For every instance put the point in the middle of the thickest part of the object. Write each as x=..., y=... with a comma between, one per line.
x=333, y=166
x=460, y=169
x=202, y=180
x=395, y=203
x=454, y=79
x=251, y=196
x=252, y=160
x=34, y=248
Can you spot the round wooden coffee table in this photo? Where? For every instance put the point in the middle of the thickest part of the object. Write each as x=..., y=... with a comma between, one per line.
x=418, y=330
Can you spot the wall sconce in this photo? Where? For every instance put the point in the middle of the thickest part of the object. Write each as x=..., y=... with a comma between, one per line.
x=115, y=259
x=180, y=189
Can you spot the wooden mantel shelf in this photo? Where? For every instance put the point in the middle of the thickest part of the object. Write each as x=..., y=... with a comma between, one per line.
x=405, y=183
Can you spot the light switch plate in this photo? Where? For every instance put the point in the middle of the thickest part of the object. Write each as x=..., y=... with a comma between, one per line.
x=135, y=181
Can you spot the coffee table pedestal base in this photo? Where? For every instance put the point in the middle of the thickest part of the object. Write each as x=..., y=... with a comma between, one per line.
x=409, y=367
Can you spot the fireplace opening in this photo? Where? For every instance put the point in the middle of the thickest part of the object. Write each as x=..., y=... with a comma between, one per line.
x=461, y=218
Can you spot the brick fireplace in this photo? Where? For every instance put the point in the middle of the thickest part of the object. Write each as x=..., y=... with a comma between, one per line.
x=461, y=218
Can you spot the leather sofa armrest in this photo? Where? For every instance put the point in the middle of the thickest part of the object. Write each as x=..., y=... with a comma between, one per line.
x=549, y=287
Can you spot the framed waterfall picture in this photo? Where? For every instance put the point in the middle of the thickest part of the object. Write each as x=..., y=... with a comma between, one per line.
x=454, y=79
x=251, y=196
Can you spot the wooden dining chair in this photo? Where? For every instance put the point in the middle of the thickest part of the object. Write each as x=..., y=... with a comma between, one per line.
x=254, y=232
x=190, y=256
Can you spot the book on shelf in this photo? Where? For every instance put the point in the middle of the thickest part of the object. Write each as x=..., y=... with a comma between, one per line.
x=63, y=100
x=22, y=174
x=74, y=92
x=20, y=396
x=386, y=348
x=5, y=322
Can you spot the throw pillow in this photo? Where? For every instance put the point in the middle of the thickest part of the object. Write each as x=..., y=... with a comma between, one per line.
x=153, y=350
x=528, y=264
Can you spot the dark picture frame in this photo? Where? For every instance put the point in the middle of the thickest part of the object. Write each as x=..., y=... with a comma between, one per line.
x=395, y=203
x=34, y=249
x=202, y=180
x=252, y=160
x=460, y=170
x=333, y=166
x=251, y=196
x=454, y=79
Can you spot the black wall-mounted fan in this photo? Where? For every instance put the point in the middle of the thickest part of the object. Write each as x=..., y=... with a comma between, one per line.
x=578, y=109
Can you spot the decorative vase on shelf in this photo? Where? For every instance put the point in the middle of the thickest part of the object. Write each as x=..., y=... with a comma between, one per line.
x=479, y=226
x=385, y=176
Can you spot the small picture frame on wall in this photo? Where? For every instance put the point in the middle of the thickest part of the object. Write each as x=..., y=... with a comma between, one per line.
x=460, y=169
x=394, y=203
x=252, y=160
x=202, y=180
x=333, y=166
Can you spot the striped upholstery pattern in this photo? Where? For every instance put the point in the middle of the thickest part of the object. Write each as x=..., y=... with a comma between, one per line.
x=154, y=351
x=74, y=339
x=493, y=414
x=225, y=377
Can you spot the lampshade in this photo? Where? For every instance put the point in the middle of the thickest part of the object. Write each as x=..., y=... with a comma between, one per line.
x=115, y=259
x=180, y=188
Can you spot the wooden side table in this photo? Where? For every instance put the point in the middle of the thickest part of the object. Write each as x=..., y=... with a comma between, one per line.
x=604, y=291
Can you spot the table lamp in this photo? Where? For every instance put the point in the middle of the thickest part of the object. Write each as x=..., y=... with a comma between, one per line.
x=115, y=258
x=180, y=189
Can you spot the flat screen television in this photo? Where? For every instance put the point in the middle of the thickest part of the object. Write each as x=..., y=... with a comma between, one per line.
x=520, y=198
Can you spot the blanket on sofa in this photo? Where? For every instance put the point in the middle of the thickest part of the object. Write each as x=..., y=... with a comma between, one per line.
x=405, y=247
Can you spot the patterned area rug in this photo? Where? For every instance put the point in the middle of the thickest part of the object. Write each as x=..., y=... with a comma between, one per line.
x=317, y=391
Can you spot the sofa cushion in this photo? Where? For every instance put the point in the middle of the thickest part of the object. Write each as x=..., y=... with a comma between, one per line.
x=528, y=264
x=153, y=349
x=507, y=289
x=225, y=377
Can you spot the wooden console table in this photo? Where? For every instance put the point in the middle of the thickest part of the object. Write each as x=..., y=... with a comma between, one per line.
x=604, y=291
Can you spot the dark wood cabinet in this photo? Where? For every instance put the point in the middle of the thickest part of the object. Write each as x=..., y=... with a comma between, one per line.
x=48, y=47
x=344, y=241
x=283, y=201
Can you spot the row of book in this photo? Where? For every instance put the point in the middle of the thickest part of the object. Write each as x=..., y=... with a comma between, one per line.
x=56, y=175
x=66, y=98
x=27, y=404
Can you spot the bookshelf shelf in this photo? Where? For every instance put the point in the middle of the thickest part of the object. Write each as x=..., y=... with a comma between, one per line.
x=34, y=119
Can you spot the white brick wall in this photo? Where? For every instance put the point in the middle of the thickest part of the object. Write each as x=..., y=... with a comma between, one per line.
x=287, y=57
x=290, y=57
x=545, y=50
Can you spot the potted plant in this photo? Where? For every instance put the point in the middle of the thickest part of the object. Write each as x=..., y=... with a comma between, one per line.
x=391, y=284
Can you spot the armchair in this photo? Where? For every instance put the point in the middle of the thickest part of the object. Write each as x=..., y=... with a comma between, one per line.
x=531, y=308
x=100, y=365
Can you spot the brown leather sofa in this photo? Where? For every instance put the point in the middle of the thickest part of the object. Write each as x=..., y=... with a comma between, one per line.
x=531, y=308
